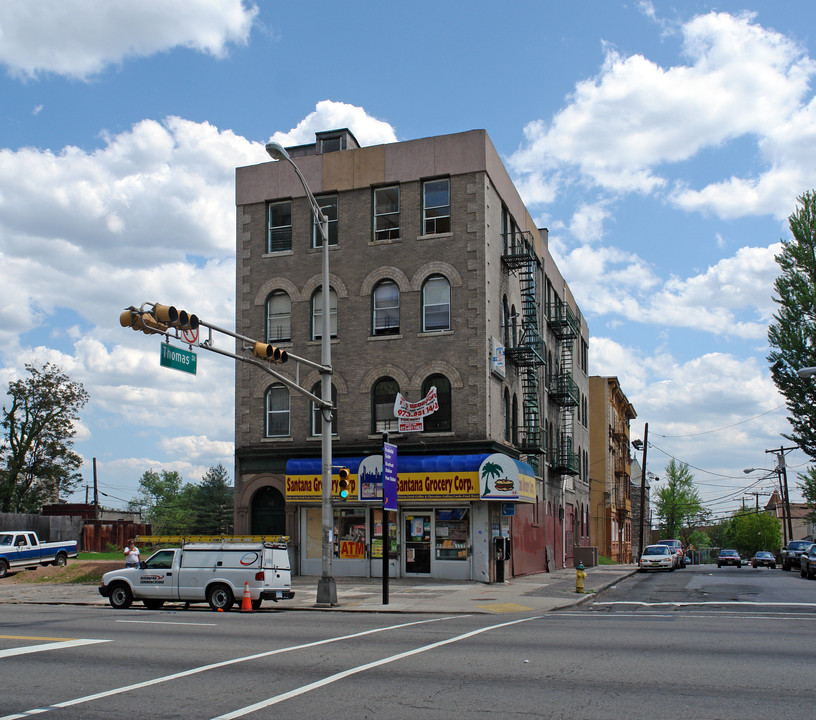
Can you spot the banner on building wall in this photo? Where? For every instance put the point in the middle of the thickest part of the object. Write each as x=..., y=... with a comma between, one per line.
x=411, y=415
x=497, y=358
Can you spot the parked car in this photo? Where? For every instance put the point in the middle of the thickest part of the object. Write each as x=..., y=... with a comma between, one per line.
x=763, y=558
x=657, y=557
x=792, y=551
x=729, y=557
x=807, y=562
x=677, y=548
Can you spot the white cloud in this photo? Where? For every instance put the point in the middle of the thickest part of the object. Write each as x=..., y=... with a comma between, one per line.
x=621, y=130
x=79, y=38
x=331, y=115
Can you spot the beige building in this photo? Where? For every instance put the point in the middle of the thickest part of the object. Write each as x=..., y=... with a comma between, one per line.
x=440, y=282
x=610, y=413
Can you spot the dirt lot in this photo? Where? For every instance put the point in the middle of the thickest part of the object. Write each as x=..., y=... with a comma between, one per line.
x=81, y=571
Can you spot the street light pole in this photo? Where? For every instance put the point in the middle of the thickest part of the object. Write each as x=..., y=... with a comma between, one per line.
x=642, y=489
x=326, y=586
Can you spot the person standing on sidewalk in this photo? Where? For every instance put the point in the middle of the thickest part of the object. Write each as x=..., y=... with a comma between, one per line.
x=131, y=555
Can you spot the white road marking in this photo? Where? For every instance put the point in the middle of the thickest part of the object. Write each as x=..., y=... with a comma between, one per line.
x=708, y=602
x=214, y=666
x=360, y=668
x=48, y=646
x=166, y=622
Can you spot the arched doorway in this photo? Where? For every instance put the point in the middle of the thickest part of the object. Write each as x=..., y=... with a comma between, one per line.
x=268, y=514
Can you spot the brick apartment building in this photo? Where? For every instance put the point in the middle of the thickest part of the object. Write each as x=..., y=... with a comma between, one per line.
x=439, y=279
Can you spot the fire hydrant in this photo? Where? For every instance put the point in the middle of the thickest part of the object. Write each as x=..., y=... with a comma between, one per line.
x=579, y=577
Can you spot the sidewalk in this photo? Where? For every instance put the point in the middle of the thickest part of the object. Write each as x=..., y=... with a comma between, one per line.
x=534, y=593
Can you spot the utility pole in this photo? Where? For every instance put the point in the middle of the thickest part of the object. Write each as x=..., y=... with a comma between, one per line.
x=96, y=493
x=642, y=489
x=783, y=482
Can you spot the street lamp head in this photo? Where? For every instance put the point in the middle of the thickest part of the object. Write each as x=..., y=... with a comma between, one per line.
x=276, y=151
x=637, y=444
x=749, y=470
x=806, y=372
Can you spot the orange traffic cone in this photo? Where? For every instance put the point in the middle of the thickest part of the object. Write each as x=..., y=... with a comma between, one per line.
x=246, y=603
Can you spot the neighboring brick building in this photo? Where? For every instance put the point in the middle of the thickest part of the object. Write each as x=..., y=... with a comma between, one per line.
x=610, y=488
x=441, y=279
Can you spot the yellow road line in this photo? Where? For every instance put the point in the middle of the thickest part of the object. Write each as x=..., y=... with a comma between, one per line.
x=33, y=637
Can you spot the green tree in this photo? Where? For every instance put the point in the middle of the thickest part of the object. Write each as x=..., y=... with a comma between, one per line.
x=165, y=502
x=37, y=461
x=792, y=334
x=807, y=484
x=677, y=504
x=212, y=502
x=749, y=531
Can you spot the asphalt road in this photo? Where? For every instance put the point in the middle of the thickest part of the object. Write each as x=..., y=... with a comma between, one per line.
x=636, y=652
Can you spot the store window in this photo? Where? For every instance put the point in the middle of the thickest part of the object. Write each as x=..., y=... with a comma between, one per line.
x=377, y=533
x=452, y=529
x=349, y=533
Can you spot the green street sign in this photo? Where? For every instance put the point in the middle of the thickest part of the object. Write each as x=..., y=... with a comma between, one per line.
x=178, y=358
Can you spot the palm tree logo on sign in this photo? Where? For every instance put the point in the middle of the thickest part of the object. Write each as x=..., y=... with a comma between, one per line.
x=498, y=478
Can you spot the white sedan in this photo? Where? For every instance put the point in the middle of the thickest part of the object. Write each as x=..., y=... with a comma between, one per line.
x=657, y=557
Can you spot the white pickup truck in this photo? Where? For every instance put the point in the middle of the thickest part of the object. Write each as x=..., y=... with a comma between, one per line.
x=23, y=549
x=197, y=572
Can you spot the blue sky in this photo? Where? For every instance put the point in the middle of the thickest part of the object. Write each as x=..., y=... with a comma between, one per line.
x=663, y=144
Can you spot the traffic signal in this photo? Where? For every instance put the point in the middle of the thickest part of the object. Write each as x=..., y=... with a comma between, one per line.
x=270, y=352
x=158, y=320
x=344, y=483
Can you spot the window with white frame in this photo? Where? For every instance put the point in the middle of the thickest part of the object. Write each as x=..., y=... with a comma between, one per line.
x=436, y=310
x=436, y=207
x=386, y=308
x=277, y=411
x=387, y=213
x=317, y=314
x=328, y=205
x=278, y=317
x=279, y=235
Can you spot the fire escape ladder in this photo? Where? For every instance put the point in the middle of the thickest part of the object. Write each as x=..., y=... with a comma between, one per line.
x=563, y=389
x=527, y=352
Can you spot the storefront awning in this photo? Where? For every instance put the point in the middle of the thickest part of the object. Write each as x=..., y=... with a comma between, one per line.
x=483, y=476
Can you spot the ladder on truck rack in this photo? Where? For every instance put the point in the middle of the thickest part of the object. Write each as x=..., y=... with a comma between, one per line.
x=152, y=540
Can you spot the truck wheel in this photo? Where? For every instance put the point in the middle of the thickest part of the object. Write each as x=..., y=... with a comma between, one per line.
x=220, y=597
x=153, y=604
x=61, y=560
x=785, y=566
x=120, y=597
x=3, y=568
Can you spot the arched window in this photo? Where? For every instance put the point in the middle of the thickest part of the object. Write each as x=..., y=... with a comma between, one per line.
x=278, y=317
x=277, y=411
x=439, y=421
x=386, y=308
x=436, y=311
x=515, y=419
x=513, y=326
x=383, y=395
x=506, y=412
x=506, y=322
x=316, y=423
x=317, y=314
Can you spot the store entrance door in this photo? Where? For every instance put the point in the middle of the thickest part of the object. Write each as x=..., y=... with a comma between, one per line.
x=417, y=536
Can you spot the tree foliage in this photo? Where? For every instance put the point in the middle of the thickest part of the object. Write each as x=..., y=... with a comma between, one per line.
x=750, y=530
x=174, y=507
x=37, y=460
x=807, y=484
x=677, y=504
x=792, y=334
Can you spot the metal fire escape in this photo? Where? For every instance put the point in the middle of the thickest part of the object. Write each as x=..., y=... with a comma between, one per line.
x=527, y=350
x=563, y=389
